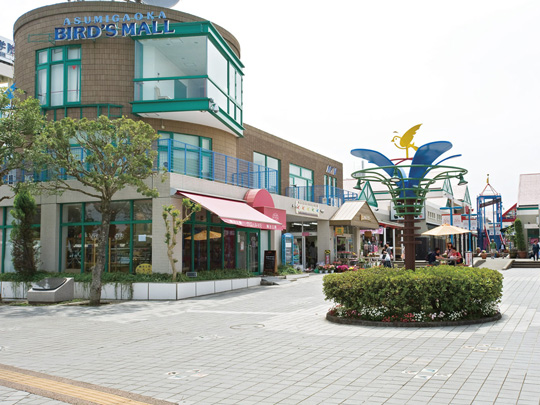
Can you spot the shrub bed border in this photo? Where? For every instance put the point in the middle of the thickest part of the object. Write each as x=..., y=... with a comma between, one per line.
x=360, y=322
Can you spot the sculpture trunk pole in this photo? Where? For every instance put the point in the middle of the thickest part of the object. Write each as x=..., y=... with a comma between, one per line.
x=409, y=237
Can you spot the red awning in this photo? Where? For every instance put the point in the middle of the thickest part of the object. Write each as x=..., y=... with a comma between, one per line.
x=234, y=212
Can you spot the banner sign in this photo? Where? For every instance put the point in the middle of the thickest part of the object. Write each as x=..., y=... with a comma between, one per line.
x=112, y=26
x=7, y=50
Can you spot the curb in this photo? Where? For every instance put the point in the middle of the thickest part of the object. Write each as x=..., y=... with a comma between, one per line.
x=359, y=322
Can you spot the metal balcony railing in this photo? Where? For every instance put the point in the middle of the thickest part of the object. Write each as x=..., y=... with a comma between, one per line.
x=327, y=195
x=182, y=158
x=179, y=157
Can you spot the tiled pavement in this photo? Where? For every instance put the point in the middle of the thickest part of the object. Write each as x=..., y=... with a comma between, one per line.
x=272, y=345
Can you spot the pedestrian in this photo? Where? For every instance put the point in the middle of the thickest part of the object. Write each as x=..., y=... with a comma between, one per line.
x=433, y=257
x=493, y=248
x=536, y=249
x=390, y=252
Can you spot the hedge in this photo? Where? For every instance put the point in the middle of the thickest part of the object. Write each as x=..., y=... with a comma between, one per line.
x=439, y=293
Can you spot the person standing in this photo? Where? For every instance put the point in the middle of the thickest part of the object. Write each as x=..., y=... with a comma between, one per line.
x=535, y=249
x=390, y=253
x=493, y=248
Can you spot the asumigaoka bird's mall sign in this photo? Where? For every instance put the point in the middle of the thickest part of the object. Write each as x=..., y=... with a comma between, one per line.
x=116, y=25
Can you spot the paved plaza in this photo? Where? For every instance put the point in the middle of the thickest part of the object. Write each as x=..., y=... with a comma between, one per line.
x=273, y=345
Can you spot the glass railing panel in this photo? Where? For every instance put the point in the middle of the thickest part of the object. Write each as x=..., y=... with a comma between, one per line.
x=173, y=89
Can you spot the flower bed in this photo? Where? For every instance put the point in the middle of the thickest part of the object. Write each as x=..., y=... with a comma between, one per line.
x=435, y=294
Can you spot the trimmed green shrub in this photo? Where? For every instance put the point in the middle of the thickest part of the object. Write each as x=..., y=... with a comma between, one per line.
x=428, y=294
x=283, y=270
x=520, y=238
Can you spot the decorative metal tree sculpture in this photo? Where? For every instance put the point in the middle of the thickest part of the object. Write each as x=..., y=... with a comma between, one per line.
x=408, y=184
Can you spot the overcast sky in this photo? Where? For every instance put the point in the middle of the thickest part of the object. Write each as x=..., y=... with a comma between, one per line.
x=340, y=75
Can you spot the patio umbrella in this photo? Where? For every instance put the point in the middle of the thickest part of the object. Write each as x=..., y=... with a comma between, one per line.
x=203, y=235
x=444, y=230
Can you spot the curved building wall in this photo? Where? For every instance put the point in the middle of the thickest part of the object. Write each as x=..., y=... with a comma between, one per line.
x=107, y=64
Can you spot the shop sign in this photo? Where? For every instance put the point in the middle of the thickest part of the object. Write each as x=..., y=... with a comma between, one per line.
x=340, y=230
x=331, y=170
x=379, y=231
x=307, y=208
x=112, y=26
x=7, y=50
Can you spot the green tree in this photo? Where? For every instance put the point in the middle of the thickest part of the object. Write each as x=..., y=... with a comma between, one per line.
x=20, y=122
x=173, y=224
x=110, y=155
x=23, y=236
x=519, y=236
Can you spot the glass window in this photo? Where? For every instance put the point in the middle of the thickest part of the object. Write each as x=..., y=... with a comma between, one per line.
x=72, y=213
x=74, y=53
x=73, y=83
x=215, y=248
x=142, y=210
x=170, y=57
x=129, y=243
x=42, y=94
x=142, y=244
x=43, y=57
x=59, y=82
x=217, y=67
x=57, y=85
x=57, y=54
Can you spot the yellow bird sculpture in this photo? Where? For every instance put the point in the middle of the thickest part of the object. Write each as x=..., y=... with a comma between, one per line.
x=405, y=140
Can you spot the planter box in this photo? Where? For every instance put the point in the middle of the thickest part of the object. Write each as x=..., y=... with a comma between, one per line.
x=161, y=291
x=14, y=290
x=222, y=285
x=140, y=291
x=205, y=288
x=186, y=290
x=238, y=283
x=254, y=281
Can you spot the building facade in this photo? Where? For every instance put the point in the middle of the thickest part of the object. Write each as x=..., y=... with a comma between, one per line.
x=182, y=75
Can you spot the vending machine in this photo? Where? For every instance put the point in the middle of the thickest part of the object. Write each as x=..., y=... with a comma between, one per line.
x=287, y=249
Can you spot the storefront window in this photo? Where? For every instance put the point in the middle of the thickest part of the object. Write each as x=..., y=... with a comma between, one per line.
x=6, y=246
x=268, y=179
x=216, y=250
x=130, y=236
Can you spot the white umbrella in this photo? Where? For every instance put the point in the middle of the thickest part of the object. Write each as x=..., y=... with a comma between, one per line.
x=444, y=230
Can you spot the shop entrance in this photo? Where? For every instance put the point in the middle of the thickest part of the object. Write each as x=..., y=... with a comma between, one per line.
x=248, y=250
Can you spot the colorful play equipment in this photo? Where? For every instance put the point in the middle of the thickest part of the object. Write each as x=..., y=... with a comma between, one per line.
x=489, y=217
x=408, y=184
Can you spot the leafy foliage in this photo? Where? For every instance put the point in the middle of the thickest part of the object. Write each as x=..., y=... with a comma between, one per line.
x=519, y=236
x=118, y=277
x=111, y=155
x=24, y=251
x=20, y=121
x=173, y=224
x=283, y=270
x=394, y=294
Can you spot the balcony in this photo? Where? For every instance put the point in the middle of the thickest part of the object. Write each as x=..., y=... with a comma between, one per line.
x=326, y=195
x=182, y=158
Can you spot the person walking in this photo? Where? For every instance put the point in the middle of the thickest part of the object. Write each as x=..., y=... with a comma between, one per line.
x=390, y=253
x=535, y=249
x=493, y=248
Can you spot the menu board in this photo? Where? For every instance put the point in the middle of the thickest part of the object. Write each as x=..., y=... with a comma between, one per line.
x=270, y=264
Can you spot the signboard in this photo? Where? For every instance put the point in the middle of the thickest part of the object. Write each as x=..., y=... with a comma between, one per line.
x=340, y=230
x=270, y=264
x=468, y=259
x=307, y=208
x=379, y=231
x=92, y=27
x=7, y=50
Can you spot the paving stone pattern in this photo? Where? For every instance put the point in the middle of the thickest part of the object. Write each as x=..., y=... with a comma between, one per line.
x=272, y=345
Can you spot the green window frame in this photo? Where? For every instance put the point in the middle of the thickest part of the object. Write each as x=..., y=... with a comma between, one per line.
x=197, y=162
x=207, y=221
x=58, y=76
x=301, y=177
x=271, y=163
x=5, y=230
x=83, y=223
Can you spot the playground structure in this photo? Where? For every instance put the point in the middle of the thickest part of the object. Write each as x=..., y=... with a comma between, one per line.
x=408, y=184
x=489, y=217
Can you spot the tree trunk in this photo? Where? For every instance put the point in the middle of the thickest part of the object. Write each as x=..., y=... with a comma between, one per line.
x=103, y=239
